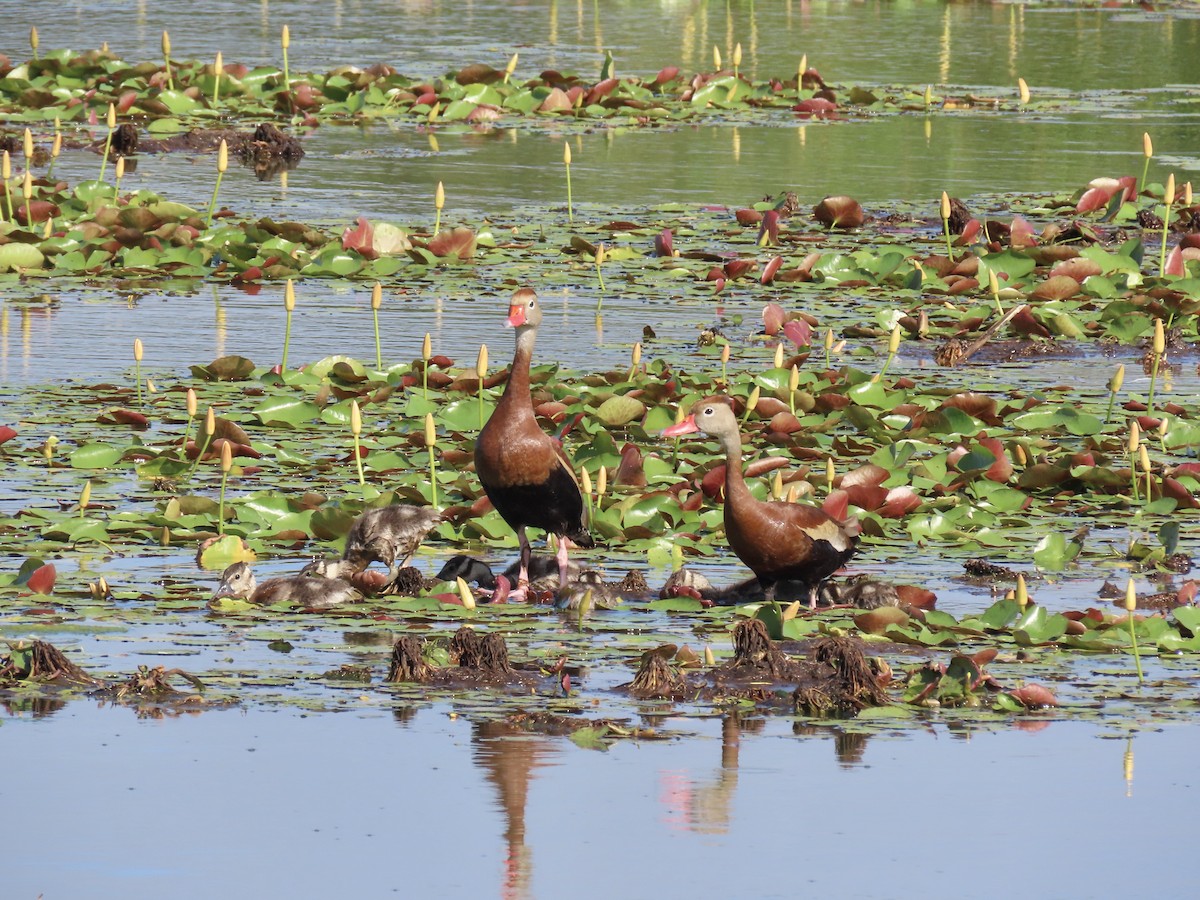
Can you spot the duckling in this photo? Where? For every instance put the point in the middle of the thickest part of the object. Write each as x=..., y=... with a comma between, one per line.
x=604, y=595
x=543, y=572
x=389, y=534
x=312, y=593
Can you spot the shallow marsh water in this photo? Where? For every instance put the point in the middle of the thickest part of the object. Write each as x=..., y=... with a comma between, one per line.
x=348, y=790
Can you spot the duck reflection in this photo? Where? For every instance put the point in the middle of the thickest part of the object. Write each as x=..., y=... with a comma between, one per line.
x=508, y=757
x=705, y=806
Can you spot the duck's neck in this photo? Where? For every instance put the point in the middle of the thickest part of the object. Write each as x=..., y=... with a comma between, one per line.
x=516, y=391
x=735, y=484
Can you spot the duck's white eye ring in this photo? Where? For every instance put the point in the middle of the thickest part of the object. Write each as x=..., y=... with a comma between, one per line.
x=709, y=411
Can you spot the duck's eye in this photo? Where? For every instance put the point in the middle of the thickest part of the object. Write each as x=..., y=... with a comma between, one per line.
x=708, y=411
x=532, y=304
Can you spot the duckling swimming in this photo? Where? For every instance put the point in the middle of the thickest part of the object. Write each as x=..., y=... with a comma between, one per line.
x=604, y=595
x=312, y=593
x=387, y=534
x=543, y=572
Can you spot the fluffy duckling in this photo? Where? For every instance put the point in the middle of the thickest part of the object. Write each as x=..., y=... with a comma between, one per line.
x=387, y=534
x=312, y=593
x=604, y=595
x=543, y=572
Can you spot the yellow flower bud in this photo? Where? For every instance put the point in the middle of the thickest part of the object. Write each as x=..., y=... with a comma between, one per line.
x=1118, y=379
x=27, y=143
x=166, y=44
x=223, y=157
x=779, y=356
x=426, y=347
x=1020, y=456
x=1023, y=90
x=289, y=296
x=794, y=378
x=585, y=481
x=27, y=186
x=1022, y=592
x=464, y=594
x=830, y=472
x=828, y=338
x=512, y=64
x=1169, y=194
x=928, y=98
x=752, y=400
x=1187, y=193
x=737, y=54
x=1160, y=341
x=803, y=66
x=894, y=340
x=111, y=119
x=1144, y=459
x=120, y=167
x=716, y=58
x=993, y=282
x=285, y=38
x=1130, y=596
x=85, y=496
x=6, y=166
x=601, y=254
x=226, y=456
x=377, y=296
x=1147, y=145
x=636, y=355
x=1135, y=431
x=709, y=659
x=724, y=354
x=601, y=482
x=137, y=349
x=945, y=205
x=210, y=423
x=355, y=418
x=430, y=431
x=191, y=403
x=33, y=38
x=439, y=197
x=56, y=147
x=219, y=65
x=481, y=362
x=566, y=153
x=777, y=485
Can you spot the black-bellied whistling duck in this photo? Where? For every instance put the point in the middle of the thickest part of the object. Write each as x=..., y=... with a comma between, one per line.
x=313, y=593
x=543, y=571
x=524, y=472
x=779, y=541
x=387, y=534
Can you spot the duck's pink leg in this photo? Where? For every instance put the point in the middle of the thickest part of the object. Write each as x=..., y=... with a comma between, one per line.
x=562, y=561
x=522, y=590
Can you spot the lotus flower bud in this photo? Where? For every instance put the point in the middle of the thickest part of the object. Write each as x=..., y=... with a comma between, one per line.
x=928, y=98
x=137, y=349
x=724, y=354
x=166, y=44
x=289, y=296
x=1144, y=459
x=1022, y=595
x=1147, y=145
x=894, y=340
x=945, y=205
x=1134, y=436
x=636, y=355
x=219, y=65
x=226, y=456
x=1130, y=596
x=803, y=67
x=1118, y=379
x=27, y=186
x=6, y=166
x=566, y=154
x=222, y=157
x=120, y=167
x=426, y=348
x=430, y=431
x=709, y=659
x=830, y=472
x=512, y=64
x=56, y=147
x=777, y=485
x=191, y=403
x=481, y=362
x=601, y=254
x=752, y=400
x=439, y=197
x=779, y=356
x=355, y=418
x=1160, y=343
x=285, y=38
x=85, y=495
x=716, y=58
x=377, y=296
x=210, y=423
x=1023, y=91
x=1169, y=193
x=33, y=39
x=111, y=119
x=828, y=339
x=1019, y=455
x=993, y=282
x=794, y=378
x=585, y=481
x=27, y=144
x=1187, y=193
x=737, y=54
x=602, y=482
x=464, y=594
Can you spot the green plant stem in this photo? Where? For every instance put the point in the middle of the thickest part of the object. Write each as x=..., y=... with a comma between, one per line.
x=1112, y=398
x=378, y=349
x=287, y=339
x=186, y=429
x=212, y=205
x=1153, y=383
x=1145, y=170
x=200, y=455
x=137, y=370
x=170, y=78
x=1162, y=257
x=362, y=481
x=437, y=223
x=1134, y=478
x=946, y=232
x=425, y=379
x=1137, y=656
x=103, y=160
x=480, y=404
x=287, y=81
x=570, y=206
x=600, y=277
x=28, y=215
x=217, y=90
x=221, y=505
x=433, y=476
x=886, y=364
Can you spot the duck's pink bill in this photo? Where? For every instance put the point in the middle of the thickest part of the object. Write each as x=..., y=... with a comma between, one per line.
x=687, y=426
x=516, y=316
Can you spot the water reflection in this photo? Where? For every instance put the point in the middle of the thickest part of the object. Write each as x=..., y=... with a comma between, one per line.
x=509, y=757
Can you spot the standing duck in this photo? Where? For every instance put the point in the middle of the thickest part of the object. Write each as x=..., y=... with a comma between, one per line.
x=779, y=541
x=312, y=593
x=387, y=534
x=524, y=471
